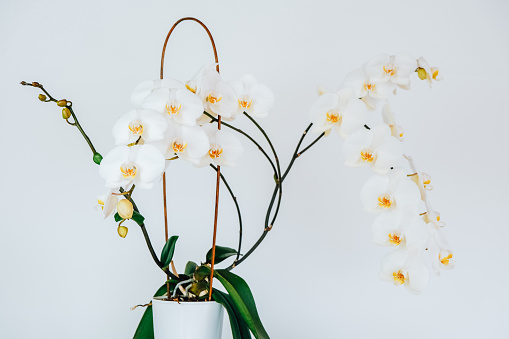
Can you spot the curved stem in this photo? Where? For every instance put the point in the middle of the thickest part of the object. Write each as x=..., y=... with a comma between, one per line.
x=234, y=198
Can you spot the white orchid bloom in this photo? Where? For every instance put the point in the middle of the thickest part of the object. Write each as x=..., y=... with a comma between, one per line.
x=179, y=105
x=391, y=68
x=366, y=89
x=405, y=267
x=189, y=143
x=207, y=74
x=376, y=147
x=139, y=165
x=107, y=202
x=400, y=226
x=224, y=149
x=142, y=91
x=425, y=72
x=388, y=117
x=146, y=124
x=253, y=98
x=388, y=192
x=439, y=251
x=342, y=111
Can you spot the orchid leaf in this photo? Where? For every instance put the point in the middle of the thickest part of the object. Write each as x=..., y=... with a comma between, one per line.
x=237, y=324
x=190, y=268
x=138, y=218
x=168, y=250
x=118, y=217
x=222, y=253
x=145, y=329
x=243, y=299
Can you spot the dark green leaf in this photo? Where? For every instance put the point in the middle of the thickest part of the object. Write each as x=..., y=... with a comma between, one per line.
x=222, y=253
x=118, y=217
x=243, y=299
x=190, y=268
x=145, y=328
x=168, y=250
x=237, y=324
x=138, y=218
x=201, y=273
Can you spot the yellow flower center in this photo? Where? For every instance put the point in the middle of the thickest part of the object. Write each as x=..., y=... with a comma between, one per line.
x=367, y=155
x=385, y=201
x=333, y=118
x=445, y=260
x=390, y=71
x=136, y=127
x=100, y=202
x=369, y=87
x=215, y=152
x=245, y=102
x=173, y=108
x=399, y=277
x=213, y=99
x=128, y=171
x=178, y=145
x=394, y=239
x=435, y=74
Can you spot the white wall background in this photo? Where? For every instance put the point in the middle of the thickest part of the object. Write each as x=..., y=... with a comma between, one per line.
x=65, y=273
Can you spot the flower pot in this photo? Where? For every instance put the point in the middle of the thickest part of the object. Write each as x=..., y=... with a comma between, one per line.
x=187, y=320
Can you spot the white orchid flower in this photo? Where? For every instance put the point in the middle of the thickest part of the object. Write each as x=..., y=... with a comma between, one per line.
x=439, y=251
x=342, y=111
x=146, y=124
x=142, y=91
x=405, y=267
x=206, y=75
x=224, y=149
x=189, y=143
x=391, y=68
x=179, y=105
x=253, y=98
x=139, y=165
x=400, y=226
x=376, y=147
x=388, y=117
x=107, y=202
x=388, y=192
x=425, y=72
x=366, y=89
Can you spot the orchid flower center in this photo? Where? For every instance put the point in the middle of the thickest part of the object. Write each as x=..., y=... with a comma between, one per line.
x=178, y=145
x=128, y=170
x=369, y=87
x=173, y=107
x=212, y=98
x=192, y=89
x=390, y=70
x=333, y=118
x=445, y=259
x=399, y=277
x=385, y=201
x=395, y=239
x=245, y=101
x=136, y=127
x=367, y=155
x=101, y=203
x=215, y=151
x=435, y=74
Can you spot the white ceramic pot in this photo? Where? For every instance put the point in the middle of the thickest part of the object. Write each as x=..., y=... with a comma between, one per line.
x=187, y=320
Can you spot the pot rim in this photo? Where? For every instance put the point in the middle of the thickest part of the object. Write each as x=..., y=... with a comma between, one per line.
x=162, y=299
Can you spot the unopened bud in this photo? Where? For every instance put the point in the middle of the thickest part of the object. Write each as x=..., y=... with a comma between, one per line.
x=125, y=209
x=66, y=113
x=421, y=72
x=97, y=158
x=62, y=103
x=122, y=231
x=42, y=97
x=36, y=84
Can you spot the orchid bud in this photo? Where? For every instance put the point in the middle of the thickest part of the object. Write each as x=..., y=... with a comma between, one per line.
x=66, y=113
x=62, y=103
x=125, y=209
x=42, y=97
x=97, y=158
x=421, y=72
x=122, y=231
x=36, y=84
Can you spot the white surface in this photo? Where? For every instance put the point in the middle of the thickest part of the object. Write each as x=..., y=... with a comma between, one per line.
x=187, y=320
x=65, y=273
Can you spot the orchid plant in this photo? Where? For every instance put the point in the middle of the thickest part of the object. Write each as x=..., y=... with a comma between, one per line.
x=174, y=121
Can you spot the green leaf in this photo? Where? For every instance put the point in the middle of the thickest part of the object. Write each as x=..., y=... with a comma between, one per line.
x=243, y=299
x=145, y=328
x=237, y=324
x=118, y=217
x=138, y=218
x=222, y=253
x=168, y=250
x=190, y=268
x=202, y=272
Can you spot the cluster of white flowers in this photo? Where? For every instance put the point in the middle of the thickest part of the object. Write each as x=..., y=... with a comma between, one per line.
x=169, y=122
x=396, y=196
